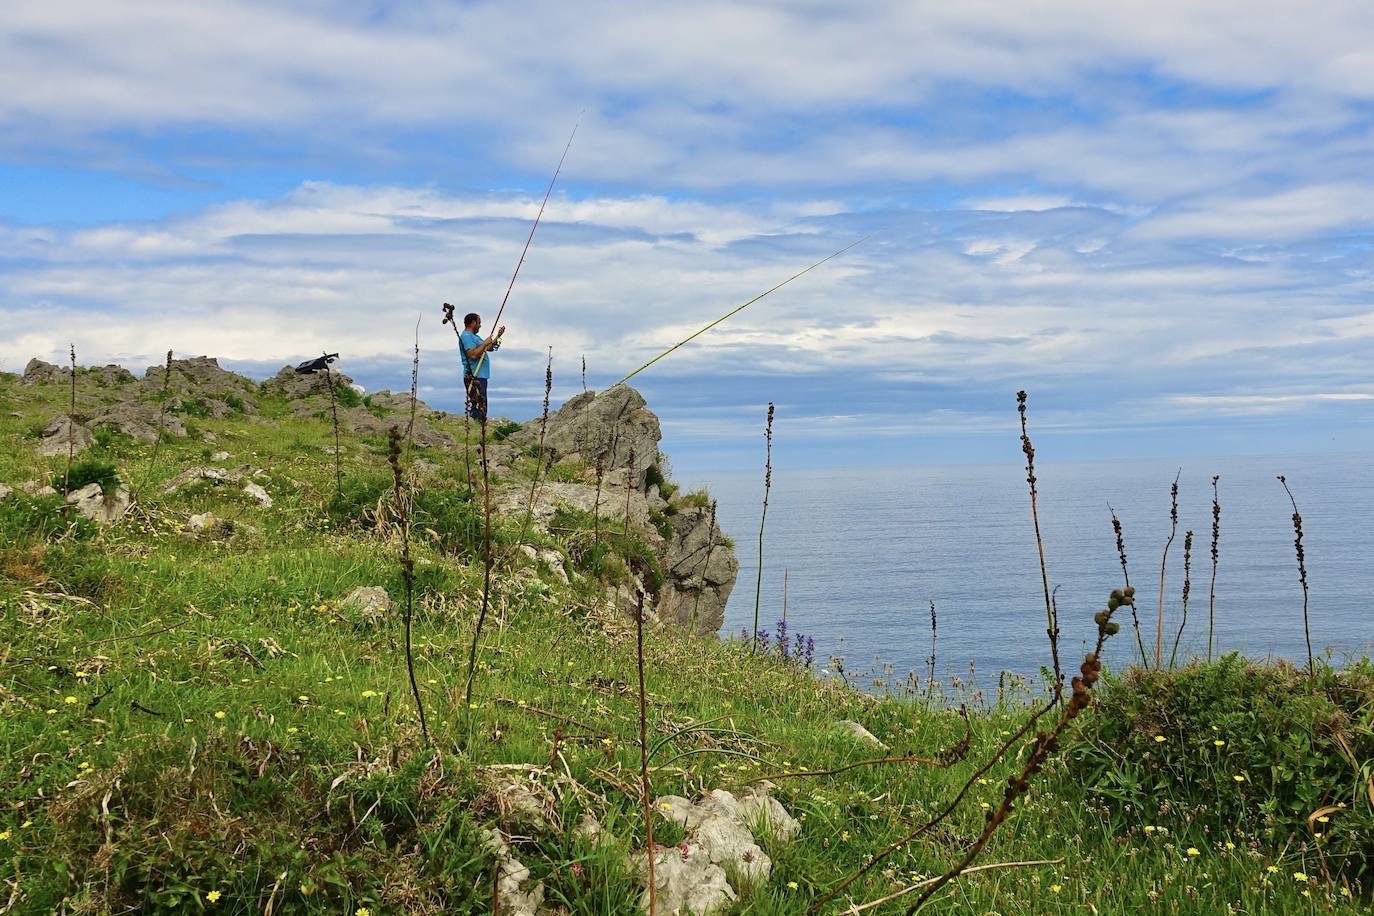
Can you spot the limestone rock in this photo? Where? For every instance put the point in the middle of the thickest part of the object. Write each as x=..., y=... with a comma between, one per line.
x=5, y=491
x=583, y=426
x=685, y=881
x=258, y=493
x=207, y=527
x=369, y=603
x=197, y=474
x=38, y=372
x=105, y=508
x=108, y=376
x=717, y=824
x=220, y=456
x=62, y=435
x=294, y=384
x=34, y=488
x=589, y=828
x=551, y=560
x=202, y=376
x=141, y=421
x=858, y=731
x=700, y=569
x=515, y=899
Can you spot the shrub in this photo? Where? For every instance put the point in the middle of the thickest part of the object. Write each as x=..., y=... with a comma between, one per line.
x=39, y=518
x=234, y=403
x=1240, y=744
x=346, y=396
x=653, y=477
x=699, y=499
x=87, y=472
x=505, y=429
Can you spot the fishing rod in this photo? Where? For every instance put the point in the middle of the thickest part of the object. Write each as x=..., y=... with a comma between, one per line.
x=448, y=309
x=738, y=309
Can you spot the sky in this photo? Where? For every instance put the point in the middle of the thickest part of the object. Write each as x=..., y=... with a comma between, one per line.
x=1156, y=217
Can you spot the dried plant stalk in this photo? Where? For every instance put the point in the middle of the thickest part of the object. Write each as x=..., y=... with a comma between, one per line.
x=644, y=748
x=1302, y=574
x=161, y=418
x=1163, y=562
x=763, y=517
x=71, y=427
x=1216, y=541
x=539, y=462
x=486, y=560
x=334, y=411
x=1187, y=588
x=1051, y=623
x=1126, y=574
x=407, y=566
x=930, y=678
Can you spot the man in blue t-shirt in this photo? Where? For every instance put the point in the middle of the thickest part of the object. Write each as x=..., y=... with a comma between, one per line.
x=477, y=363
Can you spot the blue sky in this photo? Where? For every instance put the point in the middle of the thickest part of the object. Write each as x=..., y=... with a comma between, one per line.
x=1156, y=217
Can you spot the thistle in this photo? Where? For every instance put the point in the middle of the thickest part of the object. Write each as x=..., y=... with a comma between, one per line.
x=407, y=566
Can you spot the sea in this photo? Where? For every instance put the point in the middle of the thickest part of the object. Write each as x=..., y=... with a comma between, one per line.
x=864, y=552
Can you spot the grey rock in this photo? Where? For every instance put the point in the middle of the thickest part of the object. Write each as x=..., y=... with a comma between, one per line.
x=220, y=456
x=195, y=475
x=258, y=493
x=369, y=603
x=685, y=881
x=34, y=488
x=551, y=560
x=208, y=527
x=589, y=828
x=108, y=376
x=700, y=570
x=38, y=372
x=858, y=731
x=201, y=376
x=399, y=403
x=512, y=878
x=141, y=421
x=584, y=424
x=5, y=491
x=62, y=436
x=95, y=504
x=295, y=385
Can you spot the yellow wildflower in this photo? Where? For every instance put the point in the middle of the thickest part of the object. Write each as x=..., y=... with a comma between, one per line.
x=212, y=896
x=1239, y=777
x=1219, y=743
x=70, y=700
x=362, y=911
x=4, y=835
x=1056, y=888
x=1194, y=851
x=1299, y=876
x=219, y=714
x=792, y=885
x=1160, y=738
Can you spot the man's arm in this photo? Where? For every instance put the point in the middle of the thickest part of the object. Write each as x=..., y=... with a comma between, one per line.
x=489, y=344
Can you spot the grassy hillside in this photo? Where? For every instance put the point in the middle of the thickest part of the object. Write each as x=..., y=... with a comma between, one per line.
x=192, y=725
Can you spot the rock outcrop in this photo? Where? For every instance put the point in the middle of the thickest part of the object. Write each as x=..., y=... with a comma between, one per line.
x=62, y=436
x=99, y=506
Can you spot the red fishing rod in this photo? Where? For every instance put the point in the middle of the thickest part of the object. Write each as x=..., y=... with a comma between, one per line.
x=448, y=309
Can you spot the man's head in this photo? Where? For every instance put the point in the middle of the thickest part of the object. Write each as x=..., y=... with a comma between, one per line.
x=472, y=321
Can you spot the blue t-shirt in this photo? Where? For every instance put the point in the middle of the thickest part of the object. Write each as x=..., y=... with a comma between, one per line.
x=468, y=341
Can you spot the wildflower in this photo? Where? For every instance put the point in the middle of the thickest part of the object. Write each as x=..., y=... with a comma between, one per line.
x=474, y=705
x=1323, y=819
x=1273, y=869
x=291, y=730
x=1239, y=777
x=1345, y=892
x=370, y=693
x=4, y=835
x=1056, y=888
x=1160, y=739
x=26, y=825
x=303, y=698
x=520, y=703
x=213, y=896
x=792, y=886
x=70, y=700
x=1219, y=742
x=1299, y=876
x=219, y=714
x=362, y=911
x=1194, y=851
x=844, y=836
x=51, y=712
x=1149, y=828
x=83, y=674
x=1230, y=845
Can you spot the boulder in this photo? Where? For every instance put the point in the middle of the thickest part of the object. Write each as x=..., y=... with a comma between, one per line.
x=38, y=372
x=201, y=375
x=685, y=881
x=141, y=421
x=584, y=426
x=62, y=436
x=109, y=376
x=862, y=734
x=294, y=384
x=258, y=493
x=197, y=474
x=699, y=569
x=513, y=897
x=5, y=491
x=220, y=456
x=551, y=560
x=369, y=603
x=97, y=505
x=34, y=488
x=209, y=527
x=716, y=823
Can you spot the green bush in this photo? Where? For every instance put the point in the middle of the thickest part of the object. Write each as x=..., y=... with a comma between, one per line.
x=1235, y=744
x=698, y=499
x=234, y=403
x=346, y=396
x=505, y=429
x=87, y=472
x=197, y=408
x=653, y=477
x=39, y=518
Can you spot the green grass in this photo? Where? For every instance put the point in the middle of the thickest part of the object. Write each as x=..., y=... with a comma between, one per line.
x=181, y=718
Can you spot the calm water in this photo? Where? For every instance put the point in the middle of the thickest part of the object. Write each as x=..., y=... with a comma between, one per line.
x=865, y=550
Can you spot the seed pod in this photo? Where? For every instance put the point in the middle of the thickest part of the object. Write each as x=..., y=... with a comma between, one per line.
x=1101, y=617
x=1112, y=628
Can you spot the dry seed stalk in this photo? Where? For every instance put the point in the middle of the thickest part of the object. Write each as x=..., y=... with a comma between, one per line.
x=644, y=748
x=1302, y=574
x=334, y=411
x=1187, y=588
x=930, y=680
x=414, y=388
x=71, y=428
x=407, y=566
x=763, y=517
x=1052, y=623
x=1216, y=540
x=539, y=462
x=486, y=560
x=1173, y=530
x=1126, y=574
x=161, y=418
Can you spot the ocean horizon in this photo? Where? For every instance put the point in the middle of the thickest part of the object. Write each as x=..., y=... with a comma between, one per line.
x=865, y=551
